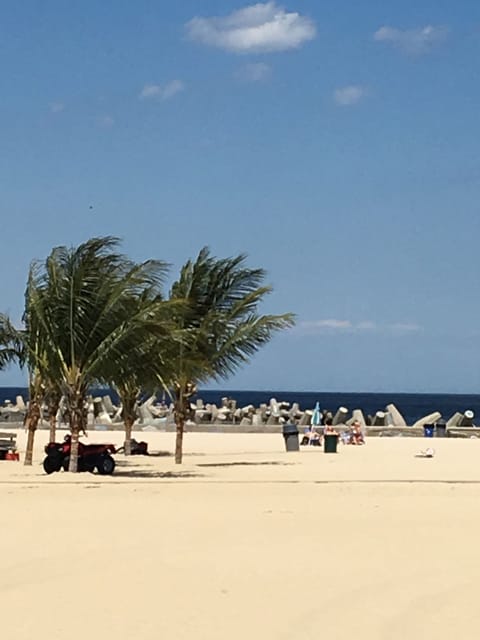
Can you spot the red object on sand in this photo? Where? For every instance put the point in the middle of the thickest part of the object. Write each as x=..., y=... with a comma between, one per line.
x=12, y=455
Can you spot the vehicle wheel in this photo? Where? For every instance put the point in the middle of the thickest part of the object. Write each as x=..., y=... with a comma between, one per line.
x=66, y=463
x=50, y=465
x=106, y=465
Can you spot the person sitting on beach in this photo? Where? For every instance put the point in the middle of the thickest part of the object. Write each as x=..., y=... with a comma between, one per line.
x=311, y=437
x=329, y=428
x=356, y=436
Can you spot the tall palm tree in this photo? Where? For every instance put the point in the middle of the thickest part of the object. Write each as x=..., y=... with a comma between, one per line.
x=223, y=328
x=145, y=369
x=16, y=345
x=43, y=382
x=81, y=301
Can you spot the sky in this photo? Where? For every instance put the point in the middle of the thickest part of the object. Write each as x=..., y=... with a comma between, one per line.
x=334, y=142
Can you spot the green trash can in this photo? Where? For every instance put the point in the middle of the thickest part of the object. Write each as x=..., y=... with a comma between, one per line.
x=290, y=435
x=330, y=442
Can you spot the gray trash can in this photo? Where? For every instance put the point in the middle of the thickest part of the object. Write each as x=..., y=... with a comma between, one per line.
x=441, y=429
x=290, y=435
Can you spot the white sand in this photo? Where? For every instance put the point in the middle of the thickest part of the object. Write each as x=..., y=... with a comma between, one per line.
x=245, y=541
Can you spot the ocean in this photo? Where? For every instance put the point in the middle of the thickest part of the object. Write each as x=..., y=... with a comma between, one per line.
x=412, y=405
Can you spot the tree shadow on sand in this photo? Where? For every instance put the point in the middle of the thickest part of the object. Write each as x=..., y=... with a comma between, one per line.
x=145, y=473
x=243, y=464
x=151, y=454
x=159, y=454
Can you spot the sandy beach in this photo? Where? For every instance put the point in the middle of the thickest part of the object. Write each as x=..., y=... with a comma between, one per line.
x=245, y=540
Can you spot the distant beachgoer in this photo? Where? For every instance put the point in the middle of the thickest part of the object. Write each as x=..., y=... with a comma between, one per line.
x=311, y=437
x=329, y=428
x=356, y=436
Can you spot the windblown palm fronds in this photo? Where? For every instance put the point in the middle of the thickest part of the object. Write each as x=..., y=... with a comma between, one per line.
x=222, y=326
x=90, y=306
x=11, y=349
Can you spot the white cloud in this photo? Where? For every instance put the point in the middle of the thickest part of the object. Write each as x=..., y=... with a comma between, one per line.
x=172, y=88
x=255, y=72
x=162, y=92
x=412, y=41
x=367, y=325
x=332, y=325
x=348, y=96
x=259, y=28
x=151, y=91
x=57, y=107
x=329, y=324
x=405, y=327
x=106, y=121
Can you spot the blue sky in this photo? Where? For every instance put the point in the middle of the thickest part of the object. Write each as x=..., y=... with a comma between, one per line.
x=334, y=142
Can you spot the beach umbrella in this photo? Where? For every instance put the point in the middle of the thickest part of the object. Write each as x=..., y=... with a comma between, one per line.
x=316, y=421
x=316, y=416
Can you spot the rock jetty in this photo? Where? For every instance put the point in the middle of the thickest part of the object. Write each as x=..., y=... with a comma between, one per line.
x=152, y=415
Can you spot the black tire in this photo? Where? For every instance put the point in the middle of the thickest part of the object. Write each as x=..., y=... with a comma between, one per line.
x=51, y=465
x=106, y=465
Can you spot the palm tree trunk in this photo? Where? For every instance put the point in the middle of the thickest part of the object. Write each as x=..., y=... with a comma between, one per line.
x=129, y=400
x=180, y=422
x=128, y=435
x=53, y=427
x=31, y=423
x=77, y=424
x=53, y=406
x=180, y=414
x=73, y=464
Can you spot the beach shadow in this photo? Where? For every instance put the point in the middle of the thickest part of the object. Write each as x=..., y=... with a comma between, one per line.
x=243, y=464
x=159, y=454
x=145, y=473
x=127, y=463
x=150, y=454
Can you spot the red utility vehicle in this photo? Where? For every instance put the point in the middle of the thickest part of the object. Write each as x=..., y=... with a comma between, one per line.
x=90, y=457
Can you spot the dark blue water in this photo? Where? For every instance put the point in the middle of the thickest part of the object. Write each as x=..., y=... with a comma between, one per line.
x=412, y=405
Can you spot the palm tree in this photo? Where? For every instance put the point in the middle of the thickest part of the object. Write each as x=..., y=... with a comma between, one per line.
x=43, y=385
x=145, y=369
x=16, y=345
x=10, y=347
x=53, y=398
x=221, y=324
x=81, y=301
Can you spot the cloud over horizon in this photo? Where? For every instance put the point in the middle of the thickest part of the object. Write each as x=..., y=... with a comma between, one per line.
x=332, y=325
x=349, y=96
x=162, y=92
x=259, y=28
x=414, y=42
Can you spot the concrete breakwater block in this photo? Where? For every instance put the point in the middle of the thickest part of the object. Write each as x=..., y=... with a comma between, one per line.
x=397, y=419
x=341, y=416
x=379, y=419
x=467, y=419
x=430, y=419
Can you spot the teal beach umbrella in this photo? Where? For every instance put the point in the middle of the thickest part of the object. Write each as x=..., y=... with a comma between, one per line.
x=316, y=416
